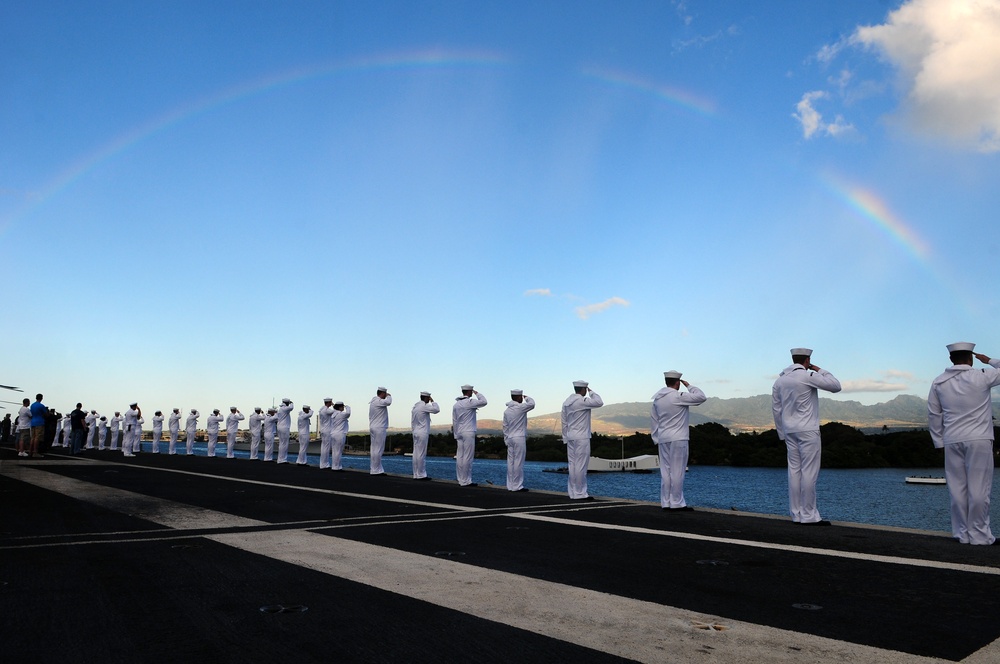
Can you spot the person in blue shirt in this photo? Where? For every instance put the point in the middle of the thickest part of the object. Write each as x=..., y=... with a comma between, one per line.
x=38, y=414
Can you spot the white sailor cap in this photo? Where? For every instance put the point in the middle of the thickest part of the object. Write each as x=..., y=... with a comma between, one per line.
x=672, y=374
x=194, y=412
x=257, y=408
x=271, y=410
x=802, y=351
x=960, y=346
x=580, y=383
x=215, y=410
x=338, y=403
x=177, y=410
x=286, y=400
x=425, y=394
x=381, y=389
x=467, y=388
x=305, y=407
x=134, y=403
x=327, y=399
x=233, y=408
x=516, y=393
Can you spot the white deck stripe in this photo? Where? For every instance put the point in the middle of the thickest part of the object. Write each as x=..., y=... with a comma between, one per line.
x=635, y=629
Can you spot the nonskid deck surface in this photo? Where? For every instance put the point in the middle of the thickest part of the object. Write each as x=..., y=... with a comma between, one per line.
x=235, y=560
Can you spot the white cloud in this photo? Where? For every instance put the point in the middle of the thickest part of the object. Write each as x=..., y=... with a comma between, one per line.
x=896, y=373
x=812, y=121
x=871, y=385
x=538, y=291
x=947, y=54
x=588, y=310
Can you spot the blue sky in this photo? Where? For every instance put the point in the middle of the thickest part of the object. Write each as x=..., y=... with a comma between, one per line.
x=215, y=204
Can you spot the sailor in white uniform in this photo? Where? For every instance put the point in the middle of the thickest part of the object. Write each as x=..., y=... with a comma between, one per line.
x=114, y=424
x=338, y=427
x=91, y=420
x=304, y=422
x=130, y=443
x=212, y=427
x=157, y=431
x=102, y=431
x=256, y=421
x=575, y=419
x=232, y=430
x=420, y=425
x=463, y=425
x=795, y=406
x=270, y=429
x=378, y=424
x=67, y=424
x=174, y=426
x=325, y=427
x=191, y=430
x=284, y=428
x=960, y=419
x=59, y=423
x=671, y=435
x=515, y=437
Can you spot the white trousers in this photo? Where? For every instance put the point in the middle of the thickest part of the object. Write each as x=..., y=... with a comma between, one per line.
x=804, y=451
x=213, y=438
x=190, y=440
x=464, y=456
x=968, y=468
x=578, y=456
x=268, y=446
x=420, y=455
x=325, y=441
x=283, y=435
x=673, y=461
x=337, y=441
x=517, y=447
x=254, y=443
x=90, y=437
x=114, y=440
x=172, y=445
x=377, y=448
x=303, y=448
x=231, y=436
x=101, y=437
x=157, y=435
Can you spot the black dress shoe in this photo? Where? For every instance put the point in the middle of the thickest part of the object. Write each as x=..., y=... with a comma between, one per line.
x=824, y=522
x=522, y=489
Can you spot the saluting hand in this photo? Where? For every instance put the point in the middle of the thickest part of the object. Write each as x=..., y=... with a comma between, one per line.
x=982, y=358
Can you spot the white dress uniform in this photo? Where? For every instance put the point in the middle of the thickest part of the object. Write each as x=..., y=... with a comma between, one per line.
x=174, y=426
x=67, y=425
x=304, y=423
x=256, y=421
x=130, y=442
x=515, y=437
x=284, y=427
x=795, y=406
x=420, y=425
x=960, y=419
x=671, y=434
x=232, y=431
x=102, y=432
x=575, y=419
x=191, y=430
x=59, y=424
x=212, y=428
x=339, y=425
x=115, y=424
x=157, y=432
x=463, y=425
x=91, y=420
x=270, y=428
x=378, y=424
x=325, y=427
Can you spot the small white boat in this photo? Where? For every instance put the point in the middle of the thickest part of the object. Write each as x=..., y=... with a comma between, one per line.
x=925, y=480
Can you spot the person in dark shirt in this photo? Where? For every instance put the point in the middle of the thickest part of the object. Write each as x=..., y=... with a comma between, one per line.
x=78, y=428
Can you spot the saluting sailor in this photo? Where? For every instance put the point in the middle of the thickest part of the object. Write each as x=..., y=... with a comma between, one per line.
x=256, y=421
x=270, y=428
x=339, y=425
x=191, y=430
x=515, y=437
x=91, y=421
x=671, y=434
x=284, y=427
x=130, y=443
x=463, y=424
x=325, y=431
x=157, y=430
x=960, y=419
x=102, y=431
x=420, y=425
x=304, y=422
x=795, y=405
x=378, y=425
x=232, y=430
x=115, y=423
x=174, y=426
x=212, y=427
x=575, y=420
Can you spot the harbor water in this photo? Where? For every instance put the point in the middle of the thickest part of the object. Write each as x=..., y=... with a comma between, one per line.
x=869, y=495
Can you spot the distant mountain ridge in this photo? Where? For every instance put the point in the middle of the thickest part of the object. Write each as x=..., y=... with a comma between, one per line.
x=737, y=414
